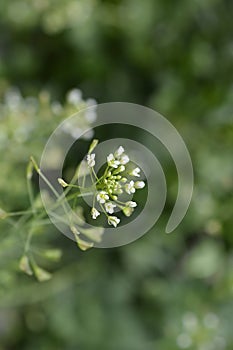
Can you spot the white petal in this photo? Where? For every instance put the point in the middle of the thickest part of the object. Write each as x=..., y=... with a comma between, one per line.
x=119, y=151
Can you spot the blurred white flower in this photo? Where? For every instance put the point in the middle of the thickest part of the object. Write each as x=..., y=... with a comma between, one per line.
x=56, y=108
x=91, y=102
x=90, y=115
x=13, y=98
x=88, y=134
x=74, y=97
x=184, y=341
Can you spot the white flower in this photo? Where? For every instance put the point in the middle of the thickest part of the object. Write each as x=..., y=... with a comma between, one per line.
x=94, y=213
x=102, y=197
x=112, y=161
x=90, y=115
x=74, y=97
x=56, y=107
x=129, y=187
x=119, y=152
x=109, y=206
x=88, y=135
x=113, y=220
x=124, y=159
x=135, y=172
x=139, y=184
x=131, y=204
x=91, y=160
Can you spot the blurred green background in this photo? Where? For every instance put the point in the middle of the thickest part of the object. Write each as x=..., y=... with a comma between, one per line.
x=164, y=291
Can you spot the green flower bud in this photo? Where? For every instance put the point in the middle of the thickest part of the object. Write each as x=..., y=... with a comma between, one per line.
x=128, y=211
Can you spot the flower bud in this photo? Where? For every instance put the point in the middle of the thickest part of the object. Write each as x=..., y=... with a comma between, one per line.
x=128, y=211
x=139, y=184
x=62, y=182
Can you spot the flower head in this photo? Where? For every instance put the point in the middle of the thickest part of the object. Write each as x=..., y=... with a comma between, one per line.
x=113, y=220
x=91, y=160
x=114, y=182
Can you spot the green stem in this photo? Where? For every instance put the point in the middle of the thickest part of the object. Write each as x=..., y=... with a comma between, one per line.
x=29, y=187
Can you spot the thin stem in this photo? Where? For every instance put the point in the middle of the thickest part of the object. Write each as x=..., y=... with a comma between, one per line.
x=74, y=186
x=84, y=180
x=93, y=171
x=49, y=185
x=29, y=186
x=104, y=210
x=28, y=241
x=19, y=213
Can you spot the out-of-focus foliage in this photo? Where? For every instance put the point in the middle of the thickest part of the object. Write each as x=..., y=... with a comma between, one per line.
x=163, y=291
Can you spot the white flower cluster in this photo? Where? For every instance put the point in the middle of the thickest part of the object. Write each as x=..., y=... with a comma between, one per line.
x=86, y=109
x=115, y=181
